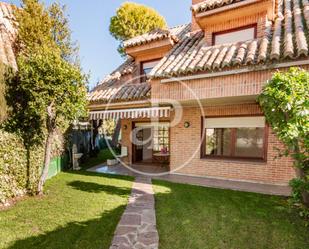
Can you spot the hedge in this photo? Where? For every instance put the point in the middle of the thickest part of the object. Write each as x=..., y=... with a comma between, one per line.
x=13, y=167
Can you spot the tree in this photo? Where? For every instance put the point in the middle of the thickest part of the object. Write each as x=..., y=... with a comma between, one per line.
x=61, y=33
x=34, y=27
x=285, y=102
x=48, y=91
x=134, y=19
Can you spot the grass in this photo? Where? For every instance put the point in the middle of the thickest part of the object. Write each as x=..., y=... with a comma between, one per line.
x=101, y=158
x=79, y=210
x=192, y=217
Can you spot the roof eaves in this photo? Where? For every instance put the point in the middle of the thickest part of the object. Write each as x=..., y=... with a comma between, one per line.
x=174, y=33
x=211, y=4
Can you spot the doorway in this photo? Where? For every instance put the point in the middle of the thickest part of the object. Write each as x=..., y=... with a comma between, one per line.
x=143, y=145
x=149, y=140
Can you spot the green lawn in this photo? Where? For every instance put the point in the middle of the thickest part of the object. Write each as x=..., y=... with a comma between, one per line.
x=191, y=217
x=79, y=210
x=101, y=158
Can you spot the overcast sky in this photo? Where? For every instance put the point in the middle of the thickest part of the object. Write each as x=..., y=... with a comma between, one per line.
x=89, y=20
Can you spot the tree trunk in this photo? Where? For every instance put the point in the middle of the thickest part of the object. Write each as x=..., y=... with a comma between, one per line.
x=305, y=196
x=28, y=184
x=301, y=174
x=47, y=155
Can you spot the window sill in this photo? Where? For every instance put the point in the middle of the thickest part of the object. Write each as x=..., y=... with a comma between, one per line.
x=235, y=159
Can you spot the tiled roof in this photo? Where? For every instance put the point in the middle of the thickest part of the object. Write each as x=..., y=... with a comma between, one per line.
x=122, y=93
x=125, y=68
x=118, y=86
x=7, y=34
x=211, y=4
x=285, y=39
x=175, y=33
x=115, y=88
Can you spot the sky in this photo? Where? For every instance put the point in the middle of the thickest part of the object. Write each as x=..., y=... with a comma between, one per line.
x=89, y=22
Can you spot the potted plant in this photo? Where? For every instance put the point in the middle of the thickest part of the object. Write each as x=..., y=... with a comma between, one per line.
x=112, y=161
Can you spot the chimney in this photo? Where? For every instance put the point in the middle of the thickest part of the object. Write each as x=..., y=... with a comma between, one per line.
x=195, y=26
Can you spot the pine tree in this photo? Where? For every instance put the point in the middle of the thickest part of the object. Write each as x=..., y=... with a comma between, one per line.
x=134, y=19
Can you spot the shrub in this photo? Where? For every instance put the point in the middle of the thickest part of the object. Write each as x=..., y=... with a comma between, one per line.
x=285, y=102
x=14, y=169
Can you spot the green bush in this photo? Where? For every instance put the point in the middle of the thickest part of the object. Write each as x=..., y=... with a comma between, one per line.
x=13, y=167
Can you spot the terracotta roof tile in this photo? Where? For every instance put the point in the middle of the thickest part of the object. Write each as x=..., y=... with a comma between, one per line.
x=114, y=87
x=299, y=30
x=211, y=4
x=176, y=33
x=265, y=41
x=7, y=34
x=122, y=93
x=286, y=39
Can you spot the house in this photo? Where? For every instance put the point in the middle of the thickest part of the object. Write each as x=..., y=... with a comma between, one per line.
x=190, y=91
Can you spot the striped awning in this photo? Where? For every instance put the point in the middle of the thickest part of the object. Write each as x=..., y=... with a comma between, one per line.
x=151, y=112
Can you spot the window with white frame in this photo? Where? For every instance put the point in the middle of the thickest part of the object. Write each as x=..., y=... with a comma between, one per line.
x=237, y=137
x=160, y=135
x=235, y=35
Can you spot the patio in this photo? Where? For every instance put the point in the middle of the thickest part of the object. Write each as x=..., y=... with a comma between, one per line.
x=160, y=172
x=139, y=168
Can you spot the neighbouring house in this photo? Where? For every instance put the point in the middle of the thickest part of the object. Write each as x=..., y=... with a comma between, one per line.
x=223, y=59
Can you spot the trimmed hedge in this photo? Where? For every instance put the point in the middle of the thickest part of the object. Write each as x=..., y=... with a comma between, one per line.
x=13, y=167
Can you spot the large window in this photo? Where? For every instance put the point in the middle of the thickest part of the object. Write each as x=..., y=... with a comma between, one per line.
x=241, y=137
x=235, y=35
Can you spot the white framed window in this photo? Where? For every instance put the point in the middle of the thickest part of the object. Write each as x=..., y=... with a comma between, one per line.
x=235, y=35
x=160, y=134
x=235, y=137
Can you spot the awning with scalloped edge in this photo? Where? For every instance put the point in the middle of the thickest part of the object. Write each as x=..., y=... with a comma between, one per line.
x=151, y=112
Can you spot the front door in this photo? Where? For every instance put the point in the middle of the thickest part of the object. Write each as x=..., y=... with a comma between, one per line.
x=139, y=146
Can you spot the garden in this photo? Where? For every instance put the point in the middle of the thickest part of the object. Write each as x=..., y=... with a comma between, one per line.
x=78, y=210
x=42, y=102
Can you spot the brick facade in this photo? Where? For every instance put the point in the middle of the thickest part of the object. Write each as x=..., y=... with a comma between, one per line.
x=259, y=19
x=223, y=88
x=185, y=142
x=238, y=84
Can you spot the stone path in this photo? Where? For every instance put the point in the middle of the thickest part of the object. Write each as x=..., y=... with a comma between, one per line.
x=137, y=227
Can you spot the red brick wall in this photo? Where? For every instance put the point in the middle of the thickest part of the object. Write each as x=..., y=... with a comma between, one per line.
x=242, y=84
x=259, y=19
x=256, y=13
x=184, y=141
